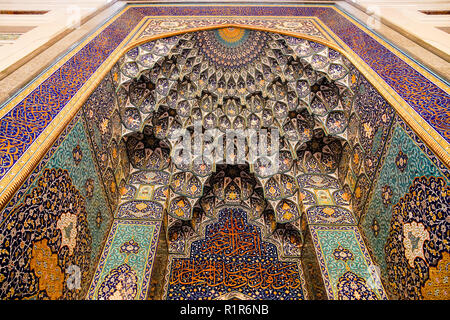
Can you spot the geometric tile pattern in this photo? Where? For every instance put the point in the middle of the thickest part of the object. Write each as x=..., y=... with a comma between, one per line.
x=101, y=116
x=142, y=209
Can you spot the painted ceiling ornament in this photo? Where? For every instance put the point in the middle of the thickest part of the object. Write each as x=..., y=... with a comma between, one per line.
x=269, y=219
x=286, y=211
x=292, y=241
x=321, y=154
x=200, y=76
x=414, y=236
x=232, y=183
x=150, y=177
x=207, y=204
x=193, y=187
x=324, y=94
x=343, y=196
x=231, y=47
x=186, y=184
x=317, y=181
x=161, y=194
x=145, y=151
x=179, y=233
x=232, y=192
x=272, y=189
x=180, y=208
x=306, y=197
x=286, y=160
x=280, y=186
x=127, y=192
x=294, y=85
x=257, y=204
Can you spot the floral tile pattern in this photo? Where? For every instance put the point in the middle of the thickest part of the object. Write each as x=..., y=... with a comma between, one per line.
x=58, y=221
x=125, y=267
x=407, y=217
x=346, y=266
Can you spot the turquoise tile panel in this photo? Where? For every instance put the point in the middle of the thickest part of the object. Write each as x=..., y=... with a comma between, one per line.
x=125, y=266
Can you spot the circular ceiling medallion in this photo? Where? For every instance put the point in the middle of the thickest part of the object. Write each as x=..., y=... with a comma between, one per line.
x=231, y=47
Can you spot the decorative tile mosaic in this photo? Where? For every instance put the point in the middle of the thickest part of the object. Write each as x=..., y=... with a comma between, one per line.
x=233, y=258
x=329, y=215
x=52, y=231
x=140, y=209
x=307, y=26
x=420, y=220
x=145, y=192
x=103, y=123
x=124, y=270
x=62, y=85
x=23, y=123
x=149, y=177
x=250, y=82
x=396, y=227
x=317, y=181
x=323, y=197
x=347, y=269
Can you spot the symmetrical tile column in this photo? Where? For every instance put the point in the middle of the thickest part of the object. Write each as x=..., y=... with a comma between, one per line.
x=345, y=264
x=126, y=264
